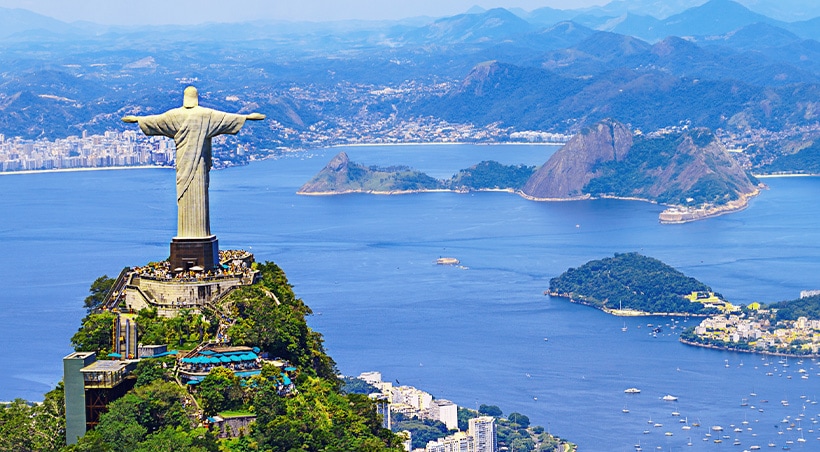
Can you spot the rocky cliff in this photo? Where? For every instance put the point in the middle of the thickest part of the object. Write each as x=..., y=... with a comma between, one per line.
x=568, y=171
x=688, y=170
x=334, y=175
x=341, y=175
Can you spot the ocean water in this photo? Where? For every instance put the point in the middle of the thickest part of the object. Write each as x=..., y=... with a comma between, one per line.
x=484, y=333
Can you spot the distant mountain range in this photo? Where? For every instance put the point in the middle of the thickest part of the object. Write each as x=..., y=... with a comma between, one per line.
x=751, y=77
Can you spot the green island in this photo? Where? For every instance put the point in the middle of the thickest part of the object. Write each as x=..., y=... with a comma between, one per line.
x=296, y=402
x=631, y=284
x=341, y=176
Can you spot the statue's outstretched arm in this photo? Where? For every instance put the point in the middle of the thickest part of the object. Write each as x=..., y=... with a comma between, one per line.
x=252, y=117
x=130, y=118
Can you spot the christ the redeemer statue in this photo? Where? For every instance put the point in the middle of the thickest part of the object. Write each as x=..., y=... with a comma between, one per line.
x=192, y=128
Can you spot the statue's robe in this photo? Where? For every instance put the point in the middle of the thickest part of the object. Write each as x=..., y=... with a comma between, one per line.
x=192, y=130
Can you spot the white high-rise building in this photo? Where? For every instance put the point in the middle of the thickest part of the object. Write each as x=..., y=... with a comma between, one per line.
x=446, y=412
x=460, y=442
x=482, y=430
x=373, y=377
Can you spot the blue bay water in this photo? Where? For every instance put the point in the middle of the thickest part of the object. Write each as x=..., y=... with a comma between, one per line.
x=481, y=334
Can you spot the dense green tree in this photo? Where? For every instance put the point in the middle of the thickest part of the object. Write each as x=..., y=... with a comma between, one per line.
x=489, y=410
x=319, y=418
x=491, y=175
x=186, y=329
x=464, y=416
x=140, y=413
x=150, y=370
x=219, y=391
x=95, y=333
x=98, y=291
x=352, y=385
x=808, y=307
x=520, y=419
x=179, y=439
x=421, y=430
x=270, y=316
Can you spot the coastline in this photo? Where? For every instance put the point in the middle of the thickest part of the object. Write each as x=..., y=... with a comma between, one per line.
x=671, y=215
x=402, y=192
x=623, y=312
x=677, y=215
x=73, y=170
x=434, y=143
x=755, y=352
x=773, y=176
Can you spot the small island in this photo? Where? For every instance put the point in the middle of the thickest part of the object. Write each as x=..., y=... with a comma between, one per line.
x=633, y=284
x=341, y=176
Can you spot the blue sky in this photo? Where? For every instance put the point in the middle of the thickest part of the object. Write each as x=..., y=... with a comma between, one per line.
x=157, y=12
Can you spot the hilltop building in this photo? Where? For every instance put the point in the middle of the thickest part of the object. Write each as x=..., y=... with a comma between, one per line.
x=195, y=277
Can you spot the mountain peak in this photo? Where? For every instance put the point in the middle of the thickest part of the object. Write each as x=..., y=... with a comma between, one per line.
x=569, y=170
x=686, y=168
x=715, y=17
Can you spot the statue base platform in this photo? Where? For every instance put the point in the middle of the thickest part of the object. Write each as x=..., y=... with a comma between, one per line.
x=187, y=253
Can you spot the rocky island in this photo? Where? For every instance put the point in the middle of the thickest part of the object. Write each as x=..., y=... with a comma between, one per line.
x=341, y=176
x=688, y=171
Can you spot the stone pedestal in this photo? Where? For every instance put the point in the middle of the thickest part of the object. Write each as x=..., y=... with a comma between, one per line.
x=194, y=252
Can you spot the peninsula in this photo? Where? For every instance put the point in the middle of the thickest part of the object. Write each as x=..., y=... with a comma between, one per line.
x=786, y=328
x=634, y=285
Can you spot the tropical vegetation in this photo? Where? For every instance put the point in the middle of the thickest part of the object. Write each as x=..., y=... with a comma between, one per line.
x=630, y=281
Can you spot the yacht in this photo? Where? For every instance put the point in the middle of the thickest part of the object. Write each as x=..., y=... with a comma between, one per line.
x=632, y=391
x=669, y=398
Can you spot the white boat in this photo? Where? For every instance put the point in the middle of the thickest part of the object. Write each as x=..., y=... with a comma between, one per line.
x=669, y=398
x=632, y=391
x=717, y=428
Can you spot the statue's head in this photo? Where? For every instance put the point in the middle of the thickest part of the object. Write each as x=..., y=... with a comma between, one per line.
x=190, y=98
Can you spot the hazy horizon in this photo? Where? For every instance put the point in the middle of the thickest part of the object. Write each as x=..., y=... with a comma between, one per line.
x=190, y=12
